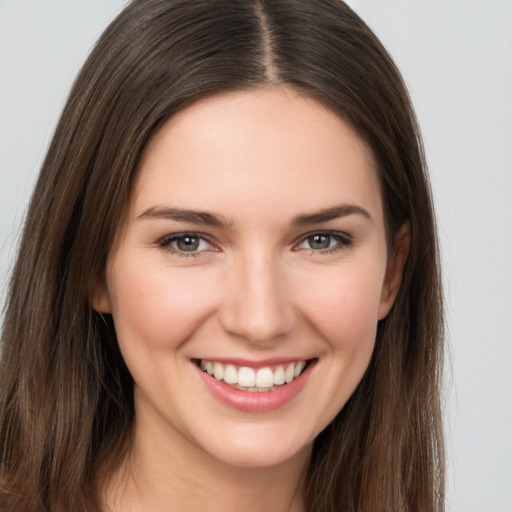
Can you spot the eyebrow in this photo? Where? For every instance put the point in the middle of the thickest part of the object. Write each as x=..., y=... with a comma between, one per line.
x=193, y=216
x=332, y=213
x=211, y=219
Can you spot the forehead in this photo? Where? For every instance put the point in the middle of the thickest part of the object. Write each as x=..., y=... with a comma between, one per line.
x=271, y=148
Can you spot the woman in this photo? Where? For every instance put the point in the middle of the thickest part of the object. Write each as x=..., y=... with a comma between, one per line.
x=227, y=292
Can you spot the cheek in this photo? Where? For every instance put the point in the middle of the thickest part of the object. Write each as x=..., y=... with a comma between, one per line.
x=158, y=307
x=344, y=308
x=341, y=306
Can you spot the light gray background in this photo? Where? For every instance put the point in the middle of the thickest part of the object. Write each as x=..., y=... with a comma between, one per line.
x=456, y=56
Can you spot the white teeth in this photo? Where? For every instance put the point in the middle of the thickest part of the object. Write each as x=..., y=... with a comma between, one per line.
x=230, y=375
x=298, y=368
x=218, y=371
x=279, y=376
x=264, y=378
x=289, y=373
x=246, y=378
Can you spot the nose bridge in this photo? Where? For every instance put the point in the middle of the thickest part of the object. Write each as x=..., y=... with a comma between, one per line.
x=258, y=307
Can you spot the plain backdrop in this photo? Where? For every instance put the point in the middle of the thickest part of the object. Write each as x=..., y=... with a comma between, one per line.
x=456, y=57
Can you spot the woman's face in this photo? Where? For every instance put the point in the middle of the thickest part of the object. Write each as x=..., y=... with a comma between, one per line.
x=250, y=275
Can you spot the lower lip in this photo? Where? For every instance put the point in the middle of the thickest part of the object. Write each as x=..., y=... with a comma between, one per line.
x=255, y=401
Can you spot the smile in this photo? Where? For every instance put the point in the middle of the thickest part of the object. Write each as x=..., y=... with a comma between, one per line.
x=252, y=387
x=263, y=379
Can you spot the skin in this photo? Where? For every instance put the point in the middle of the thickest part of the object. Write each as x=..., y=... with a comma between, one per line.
x=255, y=288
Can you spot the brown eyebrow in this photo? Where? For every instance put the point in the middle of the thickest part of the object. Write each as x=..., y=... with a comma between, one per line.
x=332, y=213
x=193, y=216
x=211, y=219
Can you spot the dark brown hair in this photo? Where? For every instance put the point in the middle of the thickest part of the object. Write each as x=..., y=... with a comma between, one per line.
x=66, y=401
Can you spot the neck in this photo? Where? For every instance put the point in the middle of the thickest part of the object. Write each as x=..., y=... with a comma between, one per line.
x=167, y=475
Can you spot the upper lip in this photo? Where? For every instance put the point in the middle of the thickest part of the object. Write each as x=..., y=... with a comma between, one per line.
x=252, y=363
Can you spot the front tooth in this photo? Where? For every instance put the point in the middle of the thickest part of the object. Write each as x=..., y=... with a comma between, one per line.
x=264, y=378
x=209, y=368
x=299, y=367
x=230, y=374
x=246, y=377
x=279, y=376
x=289, y=373
x=218, y=371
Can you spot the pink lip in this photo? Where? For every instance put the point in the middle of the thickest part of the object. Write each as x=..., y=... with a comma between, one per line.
x=238, y=362
x=248, y=401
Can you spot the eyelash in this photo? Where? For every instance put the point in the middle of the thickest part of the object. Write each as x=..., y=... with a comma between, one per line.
x=343, y=240
x=167, y=241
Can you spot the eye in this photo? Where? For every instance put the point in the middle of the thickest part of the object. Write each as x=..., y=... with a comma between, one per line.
x=325, y=242
x=186, y=244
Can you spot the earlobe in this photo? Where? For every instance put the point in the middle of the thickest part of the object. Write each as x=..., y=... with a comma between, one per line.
x=394, y=270
x=100, y=298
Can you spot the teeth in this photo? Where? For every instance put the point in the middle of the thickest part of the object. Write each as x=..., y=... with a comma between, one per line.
x=230, y=375
x=289, y=374
x=279, y=376
x=264, y=379
x=298, y=368
x=218, y=371
x=246, y=377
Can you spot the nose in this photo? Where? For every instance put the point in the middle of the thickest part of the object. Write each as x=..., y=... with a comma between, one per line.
x=258, y=307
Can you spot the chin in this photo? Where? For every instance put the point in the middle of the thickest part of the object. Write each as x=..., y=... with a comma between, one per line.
x=261, y=448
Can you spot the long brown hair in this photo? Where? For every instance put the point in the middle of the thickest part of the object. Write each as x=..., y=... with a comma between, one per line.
x=66, y=400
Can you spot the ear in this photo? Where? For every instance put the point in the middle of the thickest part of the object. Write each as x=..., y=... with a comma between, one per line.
x=100, y=298
x=394, y=270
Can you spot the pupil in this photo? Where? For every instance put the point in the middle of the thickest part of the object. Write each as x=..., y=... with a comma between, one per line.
x=188, y=243
x=319, y=242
